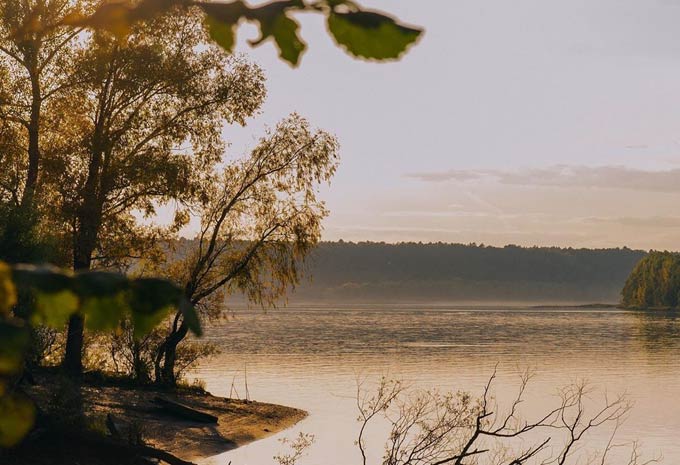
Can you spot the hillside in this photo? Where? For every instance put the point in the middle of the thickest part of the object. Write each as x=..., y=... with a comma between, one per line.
x=374, y=272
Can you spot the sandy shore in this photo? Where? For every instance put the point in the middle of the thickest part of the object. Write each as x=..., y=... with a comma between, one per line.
x=239, y=421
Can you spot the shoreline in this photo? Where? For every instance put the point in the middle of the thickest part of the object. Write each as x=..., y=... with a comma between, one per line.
x=135, y=411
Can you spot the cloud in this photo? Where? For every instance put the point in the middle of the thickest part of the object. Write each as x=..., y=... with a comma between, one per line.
x=640, y=222
x=450, y=175
x=568, y=176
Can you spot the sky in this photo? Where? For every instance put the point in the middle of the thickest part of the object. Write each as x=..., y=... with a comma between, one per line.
x=531, y=122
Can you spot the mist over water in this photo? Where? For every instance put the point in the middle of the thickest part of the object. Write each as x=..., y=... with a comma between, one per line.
x=311, y=358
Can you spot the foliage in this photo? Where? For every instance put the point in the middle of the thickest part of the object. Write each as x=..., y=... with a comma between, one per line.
x=364, y=34
x=133, y=357
x=261, y=219
x=59, y=294
x=654, y=282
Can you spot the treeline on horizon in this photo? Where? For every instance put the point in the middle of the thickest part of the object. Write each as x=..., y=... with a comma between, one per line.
x=447, y=272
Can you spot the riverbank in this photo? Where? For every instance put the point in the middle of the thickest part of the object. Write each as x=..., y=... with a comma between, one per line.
x=135, y=413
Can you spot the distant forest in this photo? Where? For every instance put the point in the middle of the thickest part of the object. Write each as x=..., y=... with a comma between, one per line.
x=380, y=272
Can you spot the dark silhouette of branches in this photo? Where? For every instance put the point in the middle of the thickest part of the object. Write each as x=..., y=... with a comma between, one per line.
x=428, y=427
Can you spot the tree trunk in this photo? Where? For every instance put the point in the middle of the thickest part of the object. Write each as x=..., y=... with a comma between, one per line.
x=169, y=354
x=33, y=134
x=73, y=358
x=85, y=242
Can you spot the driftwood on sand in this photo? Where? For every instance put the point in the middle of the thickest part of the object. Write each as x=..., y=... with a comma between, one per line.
x=184, y=412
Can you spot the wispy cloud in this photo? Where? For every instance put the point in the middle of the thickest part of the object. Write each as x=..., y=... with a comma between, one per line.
x=598, y=177
x=640, y=222
x=449, y=175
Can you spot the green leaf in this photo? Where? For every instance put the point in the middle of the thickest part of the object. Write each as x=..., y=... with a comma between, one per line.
x=150, y=295
x=276, y=24
x=221, y=32
x=100, y=284
x=143, y=323
x=46, y=279
x=150, y=301
x=104, y=313
x=14, y=341
x=290, y=45
x=191, y=317
x=54, y=308
x=371, y=35
x=8, y=291
x=17, y=414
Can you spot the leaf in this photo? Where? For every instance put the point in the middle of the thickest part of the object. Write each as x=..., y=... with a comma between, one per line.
x=118, y=17
x=100, y=284
x=150, y=300
x=8, y=291
x=143, y=323
x=371, y=35
x=191, y=317
x=103, y=313
x=275, y=23
x=221, y=32
x=54, y=308
x=14, y=340
x=47, y=279
x=17, y=414
x=285, y=32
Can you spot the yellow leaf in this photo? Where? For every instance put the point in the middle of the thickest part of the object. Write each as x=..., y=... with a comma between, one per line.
x=17, y=414
x=8, y=291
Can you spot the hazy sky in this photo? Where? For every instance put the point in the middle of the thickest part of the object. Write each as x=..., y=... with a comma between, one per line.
x=534, y=122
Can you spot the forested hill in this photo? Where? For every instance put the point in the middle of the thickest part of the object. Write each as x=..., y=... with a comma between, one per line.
x=375, y=272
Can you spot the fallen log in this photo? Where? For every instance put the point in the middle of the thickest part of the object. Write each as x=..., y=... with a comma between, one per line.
x=183, y=411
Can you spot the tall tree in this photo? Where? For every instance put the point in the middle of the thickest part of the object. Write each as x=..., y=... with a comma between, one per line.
x=36, y=56
x=261, y=219
x=149, y=117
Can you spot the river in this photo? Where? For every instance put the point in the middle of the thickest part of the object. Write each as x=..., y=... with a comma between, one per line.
x=311, y=357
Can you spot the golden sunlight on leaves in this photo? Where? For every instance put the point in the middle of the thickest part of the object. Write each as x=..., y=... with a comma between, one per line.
x=113, y=17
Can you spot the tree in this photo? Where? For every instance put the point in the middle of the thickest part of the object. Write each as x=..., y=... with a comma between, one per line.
x=34, y=63
x=434, y=428
x=149, y=115
x=654, y=282
x=261, y=219
x=109, y=100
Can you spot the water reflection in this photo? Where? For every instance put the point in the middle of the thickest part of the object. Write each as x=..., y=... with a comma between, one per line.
x=310, y=357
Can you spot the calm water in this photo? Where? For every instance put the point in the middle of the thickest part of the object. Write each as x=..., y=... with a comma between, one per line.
x=311, y=357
